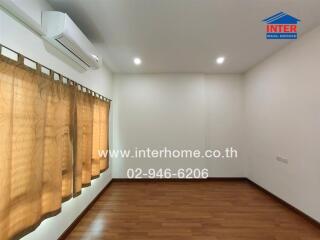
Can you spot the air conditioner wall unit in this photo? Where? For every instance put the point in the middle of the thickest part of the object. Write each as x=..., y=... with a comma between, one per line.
x=64, y=34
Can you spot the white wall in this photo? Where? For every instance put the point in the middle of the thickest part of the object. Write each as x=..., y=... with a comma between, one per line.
x=283, y=119
x=224, y=126
x=178, y=111
x=17, y=37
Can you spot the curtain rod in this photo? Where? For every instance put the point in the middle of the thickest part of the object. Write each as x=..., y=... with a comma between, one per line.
x=20, y=60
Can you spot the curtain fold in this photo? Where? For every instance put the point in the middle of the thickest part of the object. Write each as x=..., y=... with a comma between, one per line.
x=104, y=134
x=83, y=140
x=65, y=120
x=96, y=139
x=100, y=145
x=51, y=192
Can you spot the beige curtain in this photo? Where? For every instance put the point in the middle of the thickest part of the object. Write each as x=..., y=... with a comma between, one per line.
x=35, y=129
x=51, y=166
x=83, y=139
x=104, y=134
x=100, y=136
x=50, y=137
x=96, y=139
x=65, y=120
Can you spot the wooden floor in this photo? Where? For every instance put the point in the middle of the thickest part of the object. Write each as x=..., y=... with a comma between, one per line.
x=224, y=210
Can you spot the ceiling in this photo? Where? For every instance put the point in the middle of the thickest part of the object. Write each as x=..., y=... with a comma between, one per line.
x=184, y=36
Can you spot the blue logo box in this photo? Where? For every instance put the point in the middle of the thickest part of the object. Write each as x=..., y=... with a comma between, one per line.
x=281, y=35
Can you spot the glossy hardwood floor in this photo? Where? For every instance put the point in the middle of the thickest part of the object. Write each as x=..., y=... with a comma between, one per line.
x=213, y=210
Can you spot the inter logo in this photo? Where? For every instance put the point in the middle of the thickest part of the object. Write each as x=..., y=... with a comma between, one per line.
x=281, y=26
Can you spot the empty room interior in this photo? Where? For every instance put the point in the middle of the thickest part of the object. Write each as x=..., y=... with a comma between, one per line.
x=160, y=119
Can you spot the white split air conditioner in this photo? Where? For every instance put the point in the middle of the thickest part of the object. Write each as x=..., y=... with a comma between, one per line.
x=64, y=34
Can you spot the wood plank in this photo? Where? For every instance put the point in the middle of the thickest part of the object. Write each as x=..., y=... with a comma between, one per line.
x=215, y=210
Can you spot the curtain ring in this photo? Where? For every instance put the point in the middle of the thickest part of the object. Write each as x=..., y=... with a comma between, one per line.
x=51, y=75
x=20, y=60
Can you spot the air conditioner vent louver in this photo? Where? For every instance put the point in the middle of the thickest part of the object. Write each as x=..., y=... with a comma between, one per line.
x=71, y=52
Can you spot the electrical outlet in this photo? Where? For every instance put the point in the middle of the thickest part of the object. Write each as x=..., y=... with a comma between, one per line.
x=283, y=160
